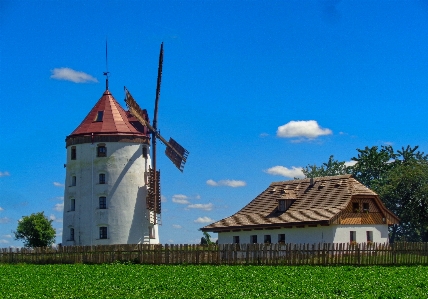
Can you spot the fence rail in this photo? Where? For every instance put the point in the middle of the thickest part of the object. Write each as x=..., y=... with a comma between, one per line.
x=231, y=254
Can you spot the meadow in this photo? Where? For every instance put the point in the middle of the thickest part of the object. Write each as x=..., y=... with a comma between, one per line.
x=189, y=281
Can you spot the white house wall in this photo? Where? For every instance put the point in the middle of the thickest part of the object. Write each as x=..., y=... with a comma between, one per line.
x=126, y=217
x=311, y=235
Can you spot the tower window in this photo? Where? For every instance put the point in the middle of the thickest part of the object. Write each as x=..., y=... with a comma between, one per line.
x=71, y=234
x=73, y=180
x=73, y=153
x=99, y=116
x=103, y=232
x=102, y=178
x=101, y=151
x=144, y=152
x=72, y=204
x=103, y=202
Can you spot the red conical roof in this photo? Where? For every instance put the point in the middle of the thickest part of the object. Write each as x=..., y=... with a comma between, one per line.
x=107, y=117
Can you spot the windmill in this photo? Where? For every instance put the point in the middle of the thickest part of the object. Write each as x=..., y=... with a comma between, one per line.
x=174, y=151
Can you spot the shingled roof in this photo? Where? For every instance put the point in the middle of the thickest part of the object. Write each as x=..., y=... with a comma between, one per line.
x=107, y=117
x=318, y=203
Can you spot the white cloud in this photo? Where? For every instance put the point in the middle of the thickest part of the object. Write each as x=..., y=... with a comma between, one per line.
x=204, y=219
x=198, y=197
x=350, y=163
x=171, y=241
x=205, y=207
x=264, y=135
x=229, y=183
x=4, y=173
x=4, y=220
x=294, y=172
x=180, y=199
x=59, y=198
x=7, y=236
x=3, y=241
x=59, y=207
x=1, y=209
x=302, y=128
x=176, y=226
x=163, y=198
x=56, y=184
x=67, y=74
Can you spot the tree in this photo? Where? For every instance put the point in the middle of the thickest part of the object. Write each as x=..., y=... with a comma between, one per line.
x=331, y=168
x=206, y=239
x=35, y=230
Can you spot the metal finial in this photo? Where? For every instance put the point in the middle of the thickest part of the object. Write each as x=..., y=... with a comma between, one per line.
x=106, y=72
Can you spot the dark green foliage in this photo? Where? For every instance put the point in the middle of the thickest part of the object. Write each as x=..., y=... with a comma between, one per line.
x=331, y=168
x=35, y=230
x=206, y=239
x=145, y=281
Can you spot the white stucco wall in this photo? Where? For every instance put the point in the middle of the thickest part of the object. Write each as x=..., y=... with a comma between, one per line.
x=311, y=235
x=126, y=217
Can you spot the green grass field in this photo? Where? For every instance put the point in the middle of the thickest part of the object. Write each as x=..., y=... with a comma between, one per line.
x=143, y=281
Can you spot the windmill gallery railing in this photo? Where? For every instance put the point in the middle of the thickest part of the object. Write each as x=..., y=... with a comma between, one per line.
x=227, y=254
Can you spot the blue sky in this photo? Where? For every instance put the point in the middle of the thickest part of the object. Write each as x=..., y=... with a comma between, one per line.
x=254, y=90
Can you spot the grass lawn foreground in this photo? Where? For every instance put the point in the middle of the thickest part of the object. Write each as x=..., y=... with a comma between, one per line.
x=181, y=281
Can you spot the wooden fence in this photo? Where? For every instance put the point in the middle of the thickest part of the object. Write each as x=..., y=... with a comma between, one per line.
x=229, y=254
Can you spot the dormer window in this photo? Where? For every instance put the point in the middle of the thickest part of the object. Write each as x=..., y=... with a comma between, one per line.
x=284, y=204
x=99, y=116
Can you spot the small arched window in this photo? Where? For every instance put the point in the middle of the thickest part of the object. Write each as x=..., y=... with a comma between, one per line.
x=71, y=234
x=101, y=150
x=103, y=202
x=102, y=178
x=72, y=204
x=73, y=153
x=73, y=180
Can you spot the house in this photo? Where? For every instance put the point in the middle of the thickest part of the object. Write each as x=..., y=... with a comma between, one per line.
x=334, y=209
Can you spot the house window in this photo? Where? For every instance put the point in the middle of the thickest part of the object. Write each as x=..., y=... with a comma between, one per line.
x=71, y=234
x=99, y=116
x=281, y=238
x=144, y=152
x=369, y=236
x=72, y=204
x=353, y=236
x=103, y=232
x=267, y=239
x=102, y=178
x=253, y=239
x=355, y=207
x=366, y=207
x=73, y=180
x=73, y=153
x=152, y=232
x=101, y=151
x=103, y=202
x=235, y=239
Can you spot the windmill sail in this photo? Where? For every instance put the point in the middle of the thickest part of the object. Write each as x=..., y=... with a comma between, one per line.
x=177, y=154
x=174, y=151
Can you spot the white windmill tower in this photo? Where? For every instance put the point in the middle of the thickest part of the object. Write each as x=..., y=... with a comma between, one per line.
x=108, y=178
